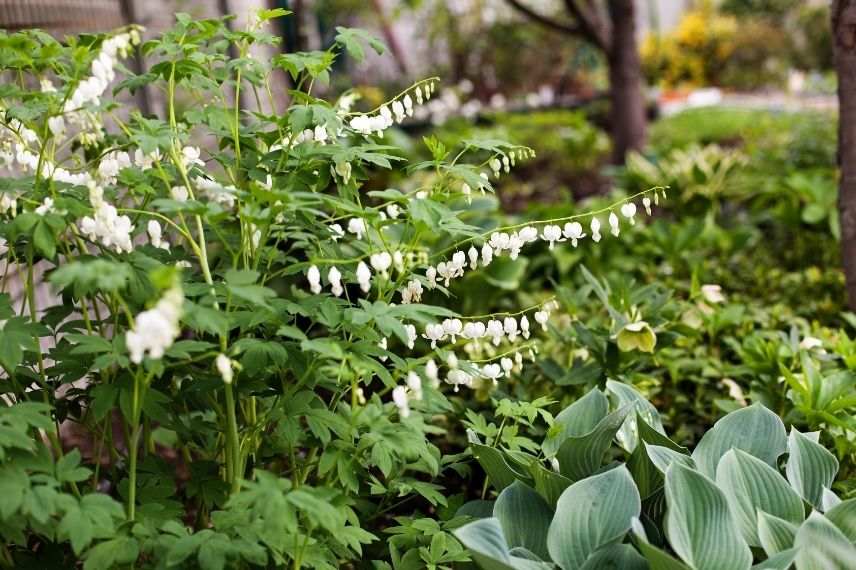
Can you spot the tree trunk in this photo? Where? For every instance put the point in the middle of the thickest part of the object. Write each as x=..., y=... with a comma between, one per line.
x=844, y=47
x=388, y=30
x=626, y=87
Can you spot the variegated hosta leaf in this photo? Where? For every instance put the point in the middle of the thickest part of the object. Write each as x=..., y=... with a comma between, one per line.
x=756, y=430
x=810, y=467
x=775, y=534
x=657, y=559
x=843, y=515
x=751, y=485
x=590, y=514
x=663, y=457
x=616, y=556
x=779, y=561
x=821, y=546
x=699, y=524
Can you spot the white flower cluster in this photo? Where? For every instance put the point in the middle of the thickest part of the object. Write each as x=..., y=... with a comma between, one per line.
x=107, y=226
x=494, y=330
x=381, y=262
x=16, y=142
x=111, y=164
x=513, y=242
x=216, y=192
x=397, y=112
x=92, y=88
x=156, y=329
x=402, y=395
x=472, y=375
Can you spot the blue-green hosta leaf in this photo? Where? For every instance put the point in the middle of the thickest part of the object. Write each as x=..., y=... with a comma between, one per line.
x=821, y=546
x=756, y=430
x=828, y=499
x=779, y=561
x=616, y=557
x=628, y=435
x=810, y=467
x=843, y=515
x=549, y=484
x=662, y=457
x=649, y=479
x=775, y=534
x=591, y=514
x=699, y=524
x=580, y=456
x=578, y=419
x=751, y=485
x=525, y=518
x=657, y=559
x=496, y=466
x=490, y=551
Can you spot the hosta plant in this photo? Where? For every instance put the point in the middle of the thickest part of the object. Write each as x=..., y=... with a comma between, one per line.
x=749, y=493
x=225, y=343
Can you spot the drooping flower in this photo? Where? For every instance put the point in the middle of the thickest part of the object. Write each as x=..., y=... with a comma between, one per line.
x=486, y=254
x=528, y=234
x=313, y=275
x=473, y=330
x=552, y=234
x=336, y=232
x=224, y=367
x=412, y=293
x=491, y=371
x=179, y=193
x=473, y=254
x=595, y=229
x=453, y=328
x=509, y=325
x=155, y=329
x=46, y=207
x=357, y=227
x=495, y=331
x=524, y=326
x=412, y=335
x=458, y=378
x=541, y=317
x=628, y=210
x=434, y=333
x=153, y=228
x=381, y=262
x=431, y=372
x=335, y=279
x=364, y=277
x=574, y=232
x=646, y=202
x=399, y=398
x=414, y=385
x=190, y=156
x=614, y=224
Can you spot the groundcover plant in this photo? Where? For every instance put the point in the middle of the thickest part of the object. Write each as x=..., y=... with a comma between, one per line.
x=221, y=348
